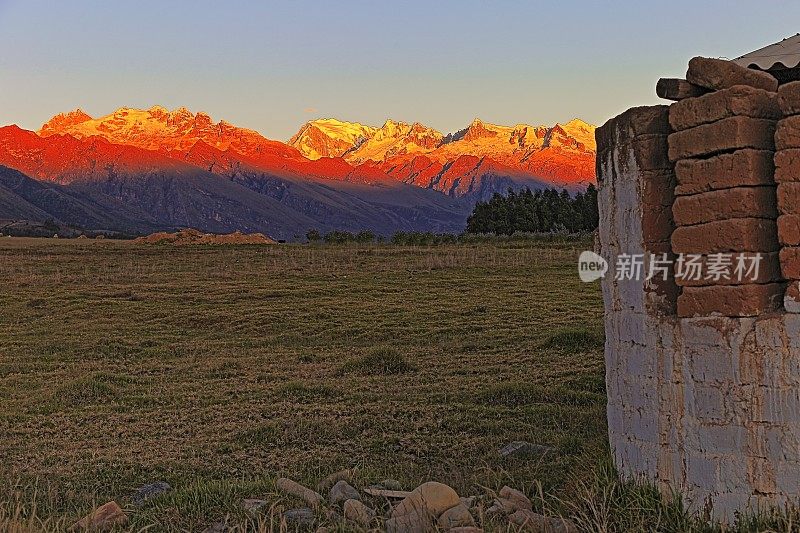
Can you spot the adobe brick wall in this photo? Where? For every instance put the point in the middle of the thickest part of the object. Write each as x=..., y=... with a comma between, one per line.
x=723, y=146
x=787, y=175
x=703, y=376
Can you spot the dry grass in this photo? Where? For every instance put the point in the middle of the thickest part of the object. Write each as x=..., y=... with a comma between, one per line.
x=219, y=369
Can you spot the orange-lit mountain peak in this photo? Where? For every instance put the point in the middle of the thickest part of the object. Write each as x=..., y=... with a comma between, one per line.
x=62, y=121
x=329, y=137
x=157, y=128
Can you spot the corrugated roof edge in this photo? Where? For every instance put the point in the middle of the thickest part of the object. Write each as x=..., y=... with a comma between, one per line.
x=781, y=55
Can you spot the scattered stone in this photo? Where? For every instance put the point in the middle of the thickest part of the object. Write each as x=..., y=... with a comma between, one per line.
x=342, y=475
x=431, y=498
x=302, y=516
x=521, y=447
x=502, y=506
x=341, y=492
x=314, y=499
x=517, y=498
x=151, y=490
x=323, y=529
x=456, y=516
x=388, y=494
x=676, y=89
x=356, y=511
x=254, y=506
x=469, y=501
x=104, y=518
x=717, y=74
x=414, y=522
x=725, y=135
x=530, y=521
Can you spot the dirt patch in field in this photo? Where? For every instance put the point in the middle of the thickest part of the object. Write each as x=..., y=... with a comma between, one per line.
x=191, y=236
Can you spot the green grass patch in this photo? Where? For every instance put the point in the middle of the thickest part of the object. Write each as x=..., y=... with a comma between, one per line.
x=384, y=360
x=575, y=339
x=300, y=391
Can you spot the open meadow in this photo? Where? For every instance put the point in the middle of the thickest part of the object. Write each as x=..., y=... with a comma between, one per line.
x=218, y=369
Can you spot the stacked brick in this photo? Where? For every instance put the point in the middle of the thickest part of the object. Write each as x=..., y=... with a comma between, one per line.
x=632, y=151
x=725, y=207
x=787, y=175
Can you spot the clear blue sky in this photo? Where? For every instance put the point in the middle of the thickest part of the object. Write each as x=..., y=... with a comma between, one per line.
x=273, y=65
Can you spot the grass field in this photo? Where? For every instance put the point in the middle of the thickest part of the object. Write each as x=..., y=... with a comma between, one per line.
x=218, y=369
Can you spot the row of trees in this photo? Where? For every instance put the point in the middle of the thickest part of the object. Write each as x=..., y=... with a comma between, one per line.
x=523, y=212
x=545, y=211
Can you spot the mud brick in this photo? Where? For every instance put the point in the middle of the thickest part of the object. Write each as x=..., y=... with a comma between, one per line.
x=739, y=202
x=649, y=152
x=657, y=224
x=790, y=262
x=677, y=89
x=738, y=101
x=726, y=135
x=768, y=270
x=644, y=120
x=741, y=168
x=787, y=165
x=717, y=74
x=789, y=230
x=735, y=235
x=791, y=300
x=787, y=133
x=730, y=300
x=789, y=98
x=658, y=187
x=789, y=198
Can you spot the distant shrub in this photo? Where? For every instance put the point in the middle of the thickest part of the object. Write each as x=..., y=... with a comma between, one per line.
x=380, y=361
x=576, y=339
x=423, y=238
x=313, y=235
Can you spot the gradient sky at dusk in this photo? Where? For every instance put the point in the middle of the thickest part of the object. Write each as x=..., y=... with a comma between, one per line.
x=272, y=66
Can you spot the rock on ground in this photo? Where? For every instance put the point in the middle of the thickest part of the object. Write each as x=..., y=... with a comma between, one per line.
x=530, y=521
x=356, y=511
x=150, y=490
x=341, y=492
x=314, y=499
x=302, y=516
x=104, y=518
x=432, y=498
x=517, y=498
x=457, y=516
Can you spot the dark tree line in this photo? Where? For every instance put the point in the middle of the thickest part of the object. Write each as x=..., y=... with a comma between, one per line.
x=544, y=211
